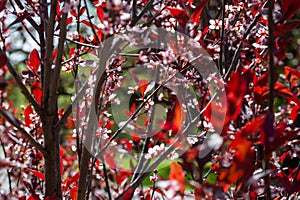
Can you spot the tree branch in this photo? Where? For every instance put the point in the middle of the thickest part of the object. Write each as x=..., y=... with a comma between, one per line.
x=15, y=122
x=29, y=18
x=57, y=69
x=137, y=18
x=237, y=52
x=163, y=156
x=49, y=51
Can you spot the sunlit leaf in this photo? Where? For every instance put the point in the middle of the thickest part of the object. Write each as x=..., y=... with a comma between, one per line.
x=36, y=173
x=180, y=15
x=177, y=174
x=195, y=17
x=100, y=14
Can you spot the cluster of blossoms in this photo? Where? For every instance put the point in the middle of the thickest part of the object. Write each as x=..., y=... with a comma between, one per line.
x=154, y=151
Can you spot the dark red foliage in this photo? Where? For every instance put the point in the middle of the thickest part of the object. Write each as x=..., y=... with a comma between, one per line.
x=180, y=15
x=195, y=17
x=223, y=156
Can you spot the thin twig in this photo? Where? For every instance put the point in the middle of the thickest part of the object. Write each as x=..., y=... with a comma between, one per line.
x=30, y=34
x=153, y=18
x=75, y=57
x=80, y=43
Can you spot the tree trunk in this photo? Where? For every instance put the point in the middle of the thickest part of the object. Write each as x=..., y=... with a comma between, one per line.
x=52, y=159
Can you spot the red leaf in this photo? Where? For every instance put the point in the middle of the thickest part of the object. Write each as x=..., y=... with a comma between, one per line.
x=100, y=35
x=196, y=14
x=28, y=110
x=34, y=60
x=180, y=15
x=37, y=91
x=241, y=167
x=248, y=131
x=289, y=8
x=33, y=197
x=73, y=13
x=127, y=195
x=58, y=7
x=52, y=197
x=36, y=173
x=100, y=14
x=190, y=155
x=142, y=85
x=73, y=193
x=282, y=29
x=81, y=11
x=62, y=153
x=291, y=75
x=283, y=156
x=282, y=90
x=174, y=118
x=177, y=174
x=72, y=179
x=122, y=175
x=3, y=60
x=288, y=70
x=54, y=55
x=236, y=89
x=214, y=113
x=2, y=5
x=281, y=137
x=86, y=22
x=69, y=20
x=110, y=160
x=295, y=112
x=267, y=132
x=70, y=123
